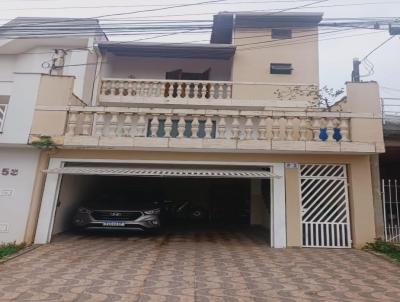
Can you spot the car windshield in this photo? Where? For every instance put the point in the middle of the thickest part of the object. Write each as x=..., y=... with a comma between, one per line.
x=125, y=199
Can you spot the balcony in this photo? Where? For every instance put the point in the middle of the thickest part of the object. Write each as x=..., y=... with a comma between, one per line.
x=275, y=128
x=178, y=92
x=230, y=130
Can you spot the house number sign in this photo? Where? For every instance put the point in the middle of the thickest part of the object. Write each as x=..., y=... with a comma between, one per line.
x=9, y=171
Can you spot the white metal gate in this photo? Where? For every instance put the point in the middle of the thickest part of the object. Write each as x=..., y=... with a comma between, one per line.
x=324, y=206
x=391, y=209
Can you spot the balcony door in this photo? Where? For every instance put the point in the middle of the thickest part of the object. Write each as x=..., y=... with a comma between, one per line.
x=179, y=74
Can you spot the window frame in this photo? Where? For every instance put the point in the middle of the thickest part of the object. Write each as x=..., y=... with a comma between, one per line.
x=277, y=36
x=279, y=68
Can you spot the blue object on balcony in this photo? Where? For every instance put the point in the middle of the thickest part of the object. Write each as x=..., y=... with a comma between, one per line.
x=323, y=135
x=337, y=136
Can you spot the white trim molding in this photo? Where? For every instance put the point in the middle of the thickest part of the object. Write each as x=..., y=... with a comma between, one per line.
x=53, y=181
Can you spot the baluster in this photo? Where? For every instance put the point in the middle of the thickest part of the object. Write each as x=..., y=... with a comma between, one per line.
x=316, y=128
x=72, y=123
x=344, y=130
x=329, y=130
x=124, y=87
x=248, y=128
x=154, y=126
x=213, y=90
x=181, y=127
x=276, y=127
x=179, y=90
x=112, y=88
x=118, y=87
x=168, y=126
x=113, y=127
x=222, y=127
x=228, y=91
x=289, y=129
x=146, y=89
x=129, y=88
x=208, y=127
x=135, y=88
x=87, y=123
x=158, y=89
x=235, y=127
x=127, y=125
x=140, y=88
x=262, y=129
x=195, y=90
x=99, y=123
x=168, y=89
x=303, y=129
x=103, y=88
x=195, y=127
x=141, y=125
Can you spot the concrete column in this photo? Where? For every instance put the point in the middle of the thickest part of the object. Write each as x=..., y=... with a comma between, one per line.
x=293, y=207
x=376, y=188
x=361, y=202
x=258, y=209
x=37, y=193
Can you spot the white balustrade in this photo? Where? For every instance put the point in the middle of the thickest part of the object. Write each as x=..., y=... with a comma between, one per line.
x=176, y=89
x=156, y=123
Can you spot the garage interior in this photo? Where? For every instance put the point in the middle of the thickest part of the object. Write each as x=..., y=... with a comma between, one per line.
x=224, y=202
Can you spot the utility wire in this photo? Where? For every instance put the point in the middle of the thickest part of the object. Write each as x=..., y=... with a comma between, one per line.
x=368, y=65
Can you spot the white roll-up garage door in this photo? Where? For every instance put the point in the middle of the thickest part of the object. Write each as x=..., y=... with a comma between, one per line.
x=164, y=172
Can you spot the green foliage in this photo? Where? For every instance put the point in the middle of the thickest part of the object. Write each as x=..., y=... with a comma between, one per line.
x=390, y=249
x=323, y=97
x=10, y=248
x=44, y=142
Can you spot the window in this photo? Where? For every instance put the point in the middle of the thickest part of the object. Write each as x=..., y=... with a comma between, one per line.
x=281, y=68
x=3, y=110
x=281, y=33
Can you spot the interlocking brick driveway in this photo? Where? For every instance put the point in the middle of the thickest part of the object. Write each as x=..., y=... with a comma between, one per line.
x=193, y=266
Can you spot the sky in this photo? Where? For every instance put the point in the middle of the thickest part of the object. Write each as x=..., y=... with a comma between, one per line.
x=336, y=51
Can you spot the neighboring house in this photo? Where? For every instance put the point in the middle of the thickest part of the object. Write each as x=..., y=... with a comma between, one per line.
x=213, y=112
x=26, y=52
x=389, y=163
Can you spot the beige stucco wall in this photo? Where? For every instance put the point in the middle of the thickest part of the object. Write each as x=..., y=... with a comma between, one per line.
x=361, y=201
x=363, y=99
x=256, y=51
x=293, y=219
x=36, y=199
x=360, y=191
x=54, y=95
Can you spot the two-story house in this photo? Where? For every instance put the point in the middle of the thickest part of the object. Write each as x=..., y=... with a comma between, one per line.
x=214, y=123
x=27, y=51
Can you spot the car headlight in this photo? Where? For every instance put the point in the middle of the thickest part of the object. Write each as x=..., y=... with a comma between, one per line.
x=83, y=210
x=152, y=212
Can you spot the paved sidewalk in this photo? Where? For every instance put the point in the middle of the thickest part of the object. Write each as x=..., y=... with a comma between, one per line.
x=193, y=266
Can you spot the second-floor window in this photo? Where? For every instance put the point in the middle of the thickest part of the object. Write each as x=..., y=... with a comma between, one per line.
x=279, y=33
x=281, y=68
x=3, y=110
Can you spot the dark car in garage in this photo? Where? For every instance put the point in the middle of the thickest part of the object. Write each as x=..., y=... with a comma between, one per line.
x=131, y=211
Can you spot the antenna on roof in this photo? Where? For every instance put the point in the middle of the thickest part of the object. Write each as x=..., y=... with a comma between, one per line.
x=355, y=74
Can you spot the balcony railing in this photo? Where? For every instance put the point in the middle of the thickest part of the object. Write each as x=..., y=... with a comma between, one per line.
x=217, y=127
x=172, y=89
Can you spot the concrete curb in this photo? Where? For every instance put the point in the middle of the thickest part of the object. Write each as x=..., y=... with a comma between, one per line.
x=19, y=253
x=383, y=256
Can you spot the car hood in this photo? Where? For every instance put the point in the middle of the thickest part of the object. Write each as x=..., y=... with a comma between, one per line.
x=122, y=206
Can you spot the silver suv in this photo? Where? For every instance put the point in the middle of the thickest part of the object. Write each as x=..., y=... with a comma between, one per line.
x=118, y=212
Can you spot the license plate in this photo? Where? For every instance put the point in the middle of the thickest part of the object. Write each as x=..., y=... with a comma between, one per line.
x=113, y=224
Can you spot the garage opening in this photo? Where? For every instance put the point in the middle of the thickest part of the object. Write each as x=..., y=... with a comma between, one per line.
x=189, y=198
